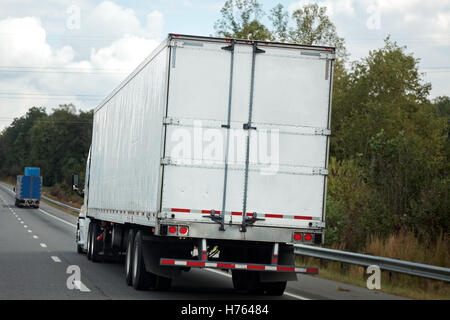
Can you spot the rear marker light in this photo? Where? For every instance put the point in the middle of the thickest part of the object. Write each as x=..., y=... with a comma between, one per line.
x=297, y=236
x=308, y=237
x=172, y=229
x=183, y=230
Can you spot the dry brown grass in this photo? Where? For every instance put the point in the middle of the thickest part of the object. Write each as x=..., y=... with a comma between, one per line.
x=403, y=246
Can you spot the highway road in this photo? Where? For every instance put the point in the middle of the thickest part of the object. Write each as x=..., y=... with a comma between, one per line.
x=37, y=247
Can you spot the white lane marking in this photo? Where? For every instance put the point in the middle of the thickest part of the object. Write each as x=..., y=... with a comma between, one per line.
x=296, y=296
x=35, y=237
x=286, y=293
x=70, y=224
x=56, y=259
x=43, y=245
x=21, y=222
x=25, y=226
x=30, y=231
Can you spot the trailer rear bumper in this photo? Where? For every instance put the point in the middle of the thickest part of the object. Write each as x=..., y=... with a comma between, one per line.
x=236, y=266
x=260, y=233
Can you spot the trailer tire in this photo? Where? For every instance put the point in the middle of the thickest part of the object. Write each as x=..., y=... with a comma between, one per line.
x=129, y=258
x=247, y=281
x=274, y=288
x=161, y=283
x=95, y=244
x=142, y=279
x=88, y=244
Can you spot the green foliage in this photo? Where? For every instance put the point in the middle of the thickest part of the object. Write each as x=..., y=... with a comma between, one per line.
x=57, y=143
x=390, y=148
x=241, y=19
x=309, y=25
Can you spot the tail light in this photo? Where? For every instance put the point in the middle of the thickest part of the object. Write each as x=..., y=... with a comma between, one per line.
x=302, y=237
x=183, y=231
x=172, y=230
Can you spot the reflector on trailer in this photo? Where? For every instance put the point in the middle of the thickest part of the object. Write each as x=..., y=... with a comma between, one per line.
x=233, y=265
x=172, y=229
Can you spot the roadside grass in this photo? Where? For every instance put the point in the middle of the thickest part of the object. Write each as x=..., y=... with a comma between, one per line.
x=403, y=246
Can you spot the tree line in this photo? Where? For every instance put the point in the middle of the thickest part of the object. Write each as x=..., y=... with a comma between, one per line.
x=389, y=151
x=58, y=143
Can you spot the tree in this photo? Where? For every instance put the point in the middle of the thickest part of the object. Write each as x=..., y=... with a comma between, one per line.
x=241, y=19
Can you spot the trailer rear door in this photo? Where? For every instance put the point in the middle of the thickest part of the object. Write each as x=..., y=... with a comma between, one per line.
x=269, y=107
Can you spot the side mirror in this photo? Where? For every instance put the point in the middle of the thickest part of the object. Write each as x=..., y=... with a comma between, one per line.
x=75, y=182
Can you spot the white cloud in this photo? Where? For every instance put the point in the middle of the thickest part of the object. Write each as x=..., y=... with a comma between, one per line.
x=126, y=42
x=123, y=54
x=114, y=21
x=335, y=7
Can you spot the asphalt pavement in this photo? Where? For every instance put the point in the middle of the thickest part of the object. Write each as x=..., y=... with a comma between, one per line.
x=38, y=260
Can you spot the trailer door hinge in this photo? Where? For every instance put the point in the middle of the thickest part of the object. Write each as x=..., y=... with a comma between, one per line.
x=320, y=171
x=322, y=132
x=166, y=161
x=176, y=44
x=317, y=224
x=328, y=56
x=170, y=121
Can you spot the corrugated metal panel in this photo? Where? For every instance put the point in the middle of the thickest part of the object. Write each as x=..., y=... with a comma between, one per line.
x=125, y=158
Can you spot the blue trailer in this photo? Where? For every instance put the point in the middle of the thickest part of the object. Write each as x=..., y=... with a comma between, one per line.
x=29, y=188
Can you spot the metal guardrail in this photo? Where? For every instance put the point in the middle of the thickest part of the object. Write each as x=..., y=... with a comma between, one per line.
x=365, y=260
x=61, y=204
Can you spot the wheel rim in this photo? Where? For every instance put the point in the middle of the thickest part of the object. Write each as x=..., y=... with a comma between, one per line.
x=128, y=261
x=135, y=260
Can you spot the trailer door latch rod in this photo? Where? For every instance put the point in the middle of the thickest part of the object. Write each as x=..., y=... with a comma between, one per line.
x=220, y=219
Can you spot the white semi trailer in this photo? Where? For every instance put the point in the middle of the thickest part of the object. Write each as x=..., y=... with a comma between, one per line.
x=213, y=153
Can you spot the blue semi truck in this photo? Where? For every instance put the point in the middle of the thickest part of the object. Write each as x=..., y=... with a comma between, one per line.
x=29, y=188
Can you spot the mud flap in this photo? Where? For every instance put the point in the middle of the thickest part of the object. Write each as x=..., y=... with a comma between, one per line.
x=153, y=251
x=286, y=257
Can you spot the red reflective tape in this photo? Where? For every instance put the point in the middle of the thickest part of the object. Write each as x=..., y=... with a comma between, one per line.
x=268, y=215
x=275, y=260
x=291, y=269
x=204, y=256
x=312, y=270
x=249, y=214
x=226, y=265
x=235, y=213
x=253, y=267
x=100, y=237
x=180, y=210
x=167, y=261
x=195, y=264
x=302, y=218
x=209, y=211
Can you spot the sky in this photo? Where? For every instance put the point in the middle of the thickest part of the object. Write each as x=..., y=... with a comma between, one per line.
x=77, y=51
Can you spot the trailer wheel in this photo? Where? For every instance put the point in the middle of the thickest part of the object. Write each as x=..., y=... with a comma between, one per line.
x=161, y=283
x=274, y=288
x=129, y=258
x=89, y=245
x=246, y=281
x=142, y=279
x=95, y=244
